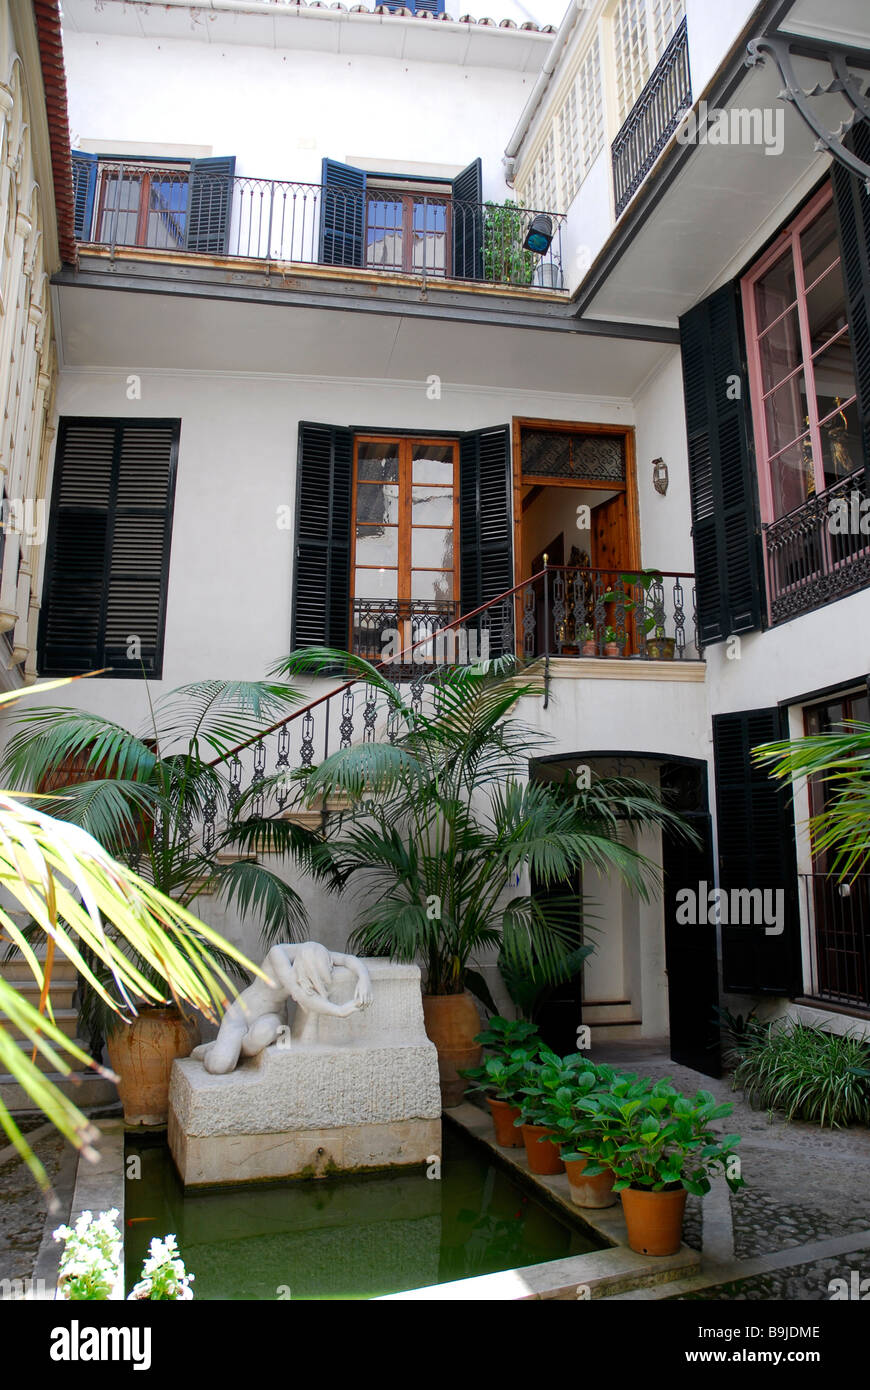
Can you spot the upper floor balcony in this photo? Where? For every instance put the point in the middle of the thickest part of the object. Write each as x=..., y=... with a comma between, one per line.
x=652, y=120
x=426, y=231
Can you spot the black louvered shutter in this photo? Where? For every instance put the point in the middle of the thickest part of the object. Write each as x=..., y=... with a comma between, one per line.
x=209, y=205
x=342, y=214
x=755, y=830
x=725, y=532
x=321, y=576
x=853, y=214
x=485, y=526
x=108, y=547
x=467, y=214
x=84, y=172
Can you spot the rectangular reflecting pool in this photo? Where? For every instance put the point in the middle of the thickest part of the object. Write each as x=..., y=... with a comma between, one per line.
x=352, y=1237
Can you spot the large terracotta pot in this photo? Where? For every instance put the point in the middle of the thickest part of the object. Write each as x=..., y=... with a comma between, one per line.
x=596, y=1191
x=503, y=1116
x=452, y=1023
x=654, y=1220
x=544, y=1157
x=142, y=1055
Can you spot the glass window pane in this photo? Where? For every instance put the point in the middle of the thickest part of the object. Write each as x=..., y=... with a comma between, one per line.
x=819, y=245
x=826, y=308
x=432, y=548
x=167, y=209
x=384, y=233
x=377, y=503
x=432, y=506
x=834, y=375
x=379, y=583
x=430, y=237
x=431, y=584
x=780, y=349
x=377, y=463
x=841, y=444
x=791, y=477
x=433, y=463
x=120, y=215
x=786, y=413
x=775, y=291
x=377, y=545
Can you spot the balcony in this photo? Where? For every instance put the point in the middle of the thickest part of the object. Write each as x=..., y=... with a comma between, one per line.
x=398, y=234
x=561, y=612
x=820, y=551
x=652, y=120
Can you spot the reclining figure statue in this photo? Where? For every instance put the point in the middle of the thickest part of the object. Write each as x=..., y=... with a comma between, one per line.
x=254, y=1020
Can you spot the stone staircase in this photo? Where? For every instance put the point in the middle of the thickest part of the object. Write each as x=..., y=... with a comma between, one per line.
x=84, y=1087
x=611, y=1020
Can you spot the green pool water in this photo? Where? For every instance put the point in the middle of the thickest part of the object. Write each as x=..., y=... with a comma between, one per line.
x=346, y=1237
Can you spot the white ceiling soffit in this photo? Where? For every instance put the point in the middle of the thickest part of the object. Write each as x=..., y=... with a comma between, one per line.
x=718, y=207
x=314, y=30
x=125, y=332
x=845, y=22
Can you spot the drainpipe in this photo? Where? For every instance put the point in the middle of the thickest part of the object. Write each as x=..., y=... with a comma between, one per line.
x=530, y=111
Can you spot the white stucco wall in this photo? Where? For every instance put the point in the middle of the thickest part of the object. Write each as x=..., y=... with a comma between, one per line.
x=280, y=111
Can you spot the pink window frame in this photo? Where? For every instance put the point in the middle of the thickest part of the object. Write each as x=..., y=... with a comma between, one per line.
x=788, y=239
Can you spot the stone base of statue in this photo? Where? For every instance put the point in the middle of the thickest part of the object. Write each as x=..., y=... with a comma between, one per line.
x=331, y=1095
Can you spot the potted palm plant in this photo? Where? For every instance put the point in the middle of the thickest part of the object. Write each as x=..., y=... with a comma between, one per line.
x=659, y=1144
x=444, y=827
x=145, y=792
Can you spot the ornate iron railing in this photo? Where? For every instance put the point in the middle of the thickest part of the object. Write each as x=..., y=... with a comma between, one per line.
x=652, y=120
x=820, y=551
x=838, y=915
x=297, y=224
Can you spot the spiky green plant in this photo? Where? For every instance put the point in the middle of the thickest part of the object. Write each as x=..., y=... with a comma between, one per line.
x=444, y=826
x=809, y=1074
x=840, y=761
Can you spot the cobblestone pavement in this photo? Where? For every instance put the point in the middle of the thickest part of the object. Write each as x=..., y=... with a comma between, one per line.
x=23, y=1207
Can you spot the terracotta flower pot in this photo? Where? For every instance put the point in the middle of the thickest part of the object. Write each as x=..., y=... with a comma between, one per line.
x=654, y=1220
x=612, y=649
x=503, y=1116
x=661, y=648
x=544, y=1157
x=452, y=1022
x=596, y=1191
x=142, y=1055
x=589, y=648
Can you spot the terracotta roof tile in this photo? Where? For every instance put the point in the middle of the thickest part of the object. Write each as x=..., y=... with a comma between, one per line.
x=48, y=28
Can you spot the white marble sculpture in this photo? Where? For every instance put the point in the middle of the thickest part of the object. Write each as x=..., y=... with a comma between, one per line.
x=254, y=1020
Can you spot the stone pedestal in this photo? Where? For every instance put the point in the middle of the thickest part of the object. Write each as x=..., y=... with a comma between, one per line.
x=332, y=1095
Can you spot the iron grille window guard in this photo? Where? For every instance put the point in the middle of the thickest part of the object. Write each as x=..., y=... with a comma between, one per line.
x=298, y=224
x=839, y=920
x=819, y=552
x=652, y=120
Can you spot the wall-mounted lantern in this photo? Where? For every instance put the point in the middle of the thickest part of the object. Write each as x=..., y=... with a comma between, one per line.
x=660, y=476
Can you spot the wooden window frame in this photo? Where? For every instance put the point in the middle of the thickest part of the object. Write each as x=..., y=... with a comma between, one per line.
x=406, y=444
x=408, y=199
x=521, y=479
x=788, y=241
x=109, y=170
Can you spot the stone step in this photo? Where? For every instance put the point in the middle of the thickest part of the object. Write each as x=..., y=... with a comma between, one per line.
x=66, y=1020
x=61, y=990
x=43, y=1063
x=18, y=969
x=619, y=1030
x=603, y=1011
x=86, y=1089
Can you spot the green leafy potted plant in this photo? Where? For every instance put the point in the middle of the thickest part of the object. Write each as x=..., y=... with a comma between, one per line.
x=547, y=1087
x=658, y=646
x=571, y=1127
x=660, y=1145
x=510, y=1044
x=611, y=645
x=588, y=645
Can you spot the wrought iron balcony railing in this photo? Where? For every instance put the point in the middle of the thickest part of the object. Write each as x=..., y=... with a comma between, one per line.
x=297, y=224
x=821, y=551
x=652, y=120
x=838, y=915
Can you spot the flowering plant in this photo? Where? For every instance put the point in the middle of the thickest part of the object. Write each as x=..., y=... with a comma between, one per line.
x=163, y=1273
x=90, y=1265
